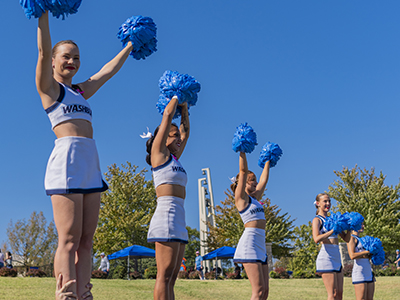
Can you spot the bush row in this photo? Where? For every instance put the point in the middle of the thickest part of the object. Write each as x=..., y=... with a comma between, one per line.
x=6, y=272
x=282, y=273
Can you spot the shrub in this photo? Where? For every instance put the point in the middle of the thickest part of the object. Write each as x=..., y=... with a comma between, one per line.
x=194, y=275
x=119, y=272
x=231, y=275
x=273, y=274
x=135, y=275
x=150, y=273
x=299, y=274
x=35, y=273
x=210, y=275
x=389, y=271
x=310, y=274
x=347, y=270
x=398, y=272
x=6, y=272
x=99, y=274
x=244, y=274
x=282, y=273
x=183, y=275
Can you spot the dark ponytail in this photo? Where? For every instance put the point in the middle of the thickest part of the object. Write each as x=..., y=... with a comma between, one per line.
x=149, y=145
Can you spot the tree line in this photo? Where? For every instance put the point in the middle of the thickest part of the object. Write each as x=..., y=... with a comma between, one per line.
x=127, y=207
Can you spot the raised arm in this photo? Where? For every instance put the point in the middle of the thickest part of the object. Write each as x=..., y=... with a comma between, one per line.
x=45, y=83
x=159, y=151
x=91, y=85
x=184, y=128
x=351, y=245
x=241, y=198
x=263, y=182
x=316, y=223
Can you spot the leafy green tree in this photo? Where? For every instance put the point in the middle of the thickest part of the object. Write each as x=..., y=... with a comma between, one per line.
x=229, y=226
x=125, y=211
x=305, y=250
x=365, y=192
x=192, y=246
x=33, y=241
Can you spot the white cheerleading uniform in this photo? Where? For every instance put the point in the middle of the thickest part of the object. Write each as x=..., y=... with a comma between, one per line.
x=328, y=259
x=251, y=246
x=362, y=271
x=73, y=166
x=168, y=222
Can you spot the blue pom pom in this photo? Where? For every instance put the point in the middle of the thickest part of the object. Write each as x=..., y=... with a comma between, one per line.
x=34, y=8
x=163, y=102
x=379, y=258
x=141, y=31
x=63, y=8
x=374, y=246
x=337, y=222
x=244, y=139
x=355, y=221
x=270, y=152
x=184, y=86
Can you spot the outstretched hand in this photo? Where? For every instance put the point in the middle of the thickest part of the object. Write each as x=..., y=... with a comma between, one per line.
x=62, y=292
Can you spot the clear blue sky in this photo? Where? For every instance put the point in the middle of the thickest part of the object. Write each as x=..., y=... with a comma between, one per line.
x=320, y=78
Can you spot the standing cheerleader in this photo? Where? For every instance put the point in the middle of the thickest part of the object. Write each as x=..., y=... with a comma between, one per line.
x=329, y=263
x=251, y=251
x=73, y=177
x=361, y=276
x=167, y=227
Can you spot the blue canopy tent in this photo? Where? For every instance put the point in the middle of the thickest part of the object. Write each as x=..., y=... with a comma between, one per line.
x=134, y=251
x=223, y=252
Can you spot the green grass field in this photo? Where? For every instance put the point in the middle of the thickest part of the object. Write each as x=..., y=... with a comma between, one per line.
x=387, y=288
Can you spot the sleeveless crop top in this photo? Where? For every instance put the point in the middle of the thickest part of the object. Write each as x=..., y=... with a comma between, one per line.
x=69, y=105
x=170, y=172
x=359, y=247
x=254, y=211
x=322, y=228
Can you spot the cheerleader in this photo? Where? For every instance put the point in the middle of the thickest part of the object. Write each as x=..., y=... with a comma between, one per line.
x=328, y=260
x=167, y=227
x=361, y=276
x=73, y=177
x=251, y=251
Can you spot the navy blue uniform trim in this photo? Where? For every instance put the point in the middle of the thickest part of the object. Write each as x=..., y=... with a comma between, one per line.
x=330, y=271
x=163, y=165
x=59, y=100
x=238, y=260
x=166, y=240
x=77, y=191
x=366, y=281
x=248, y=205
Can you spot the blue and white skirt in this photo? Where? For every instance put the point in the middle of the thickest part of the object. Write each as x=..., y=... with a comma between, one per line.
x=328, y=259
x=251, y=247
x=74, y=168
x=168, y=222
x=362, y=271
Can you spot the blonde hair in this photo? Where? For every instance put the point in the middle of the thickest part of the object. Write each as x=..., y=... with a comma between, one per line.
x=317, y=199
x=56, y=46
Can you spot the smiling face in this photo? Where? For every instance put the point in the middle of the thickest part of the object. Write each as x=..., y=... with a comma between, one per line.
x=174, y=140
x=251, y=184
x=66, y=60
x=324, y=204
